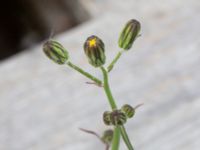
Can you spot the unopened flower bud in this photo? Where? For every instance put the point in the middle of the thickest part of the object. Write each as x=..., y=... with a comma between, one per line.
x=107, y=136
x=129, y=34
x=128, y=110
x=106, y=117
x=56, y=52
x=117, y=117
x=94, y=49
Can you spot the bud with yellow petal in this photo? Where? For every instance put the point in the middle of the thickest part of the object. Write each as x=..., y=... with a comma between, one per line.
x=56, y=52
x=129, y=34
x=94, y=49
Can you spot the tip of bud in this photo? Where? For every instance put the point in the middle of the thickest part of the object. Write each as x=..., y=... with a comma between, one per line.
x=55, y=51
x=92, y=42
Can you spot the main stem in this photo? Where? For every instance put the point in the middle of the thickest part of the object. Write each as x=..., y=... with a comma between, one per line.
x=125, y=138
x=107, y=89
x=116, y=138
x=97, y=81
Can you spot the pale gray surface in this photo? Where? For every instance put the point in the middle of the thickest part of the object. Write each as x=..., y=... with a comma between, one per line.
x=42, y=105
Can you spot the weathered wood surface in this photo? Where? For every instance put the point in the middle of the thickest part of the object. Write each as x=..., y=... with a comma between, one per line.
x=42, y=105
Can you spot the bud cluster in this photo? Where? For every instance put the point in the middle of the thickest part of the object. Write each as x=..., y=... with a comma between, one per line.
x=94, y=47
x=118, y=117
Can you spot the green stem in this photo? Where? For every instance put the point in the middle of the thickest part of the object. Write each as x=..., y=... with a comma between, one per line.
x=116, y=139
x=97, y=81
x=107, y=89
x=125, y=138
x=110, y=67
x=116, y=136
x=113, y=105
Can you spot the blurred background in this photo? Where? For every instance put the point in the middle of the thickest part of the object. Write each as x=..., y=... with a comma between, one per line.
x=27, y=22
x=43, y=105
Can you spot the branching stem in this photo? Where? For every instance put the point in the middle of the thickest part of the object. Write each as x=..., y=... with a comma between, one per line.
x=110, y=67
x=97, y=81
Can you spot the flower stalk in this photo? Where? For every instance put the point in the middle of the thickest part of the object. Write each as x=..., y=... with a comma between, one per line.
x=97, y=81
x=110, y=67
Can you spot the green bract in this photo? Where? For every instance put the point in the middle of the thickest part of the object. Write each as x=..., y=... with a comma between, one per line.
x=56, y=52
x=129, y=34
x=94, y=49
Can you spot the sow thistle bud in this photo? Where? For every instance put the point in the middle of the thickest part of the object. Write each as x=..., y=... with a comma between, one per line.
x=117, y=117
x=94, y=49
x=106, y=117
x=129, y=34
x=128, y=110
x=107, y=136
x=56, y=52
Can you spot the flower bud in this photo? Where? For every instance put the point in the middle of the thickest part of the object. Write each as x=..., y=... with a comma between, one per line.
x=106, y=117
x=129, y=34
x=128, y=110
x=56, y=52
x=94, y=49
x=107, y=136
x=117, y=117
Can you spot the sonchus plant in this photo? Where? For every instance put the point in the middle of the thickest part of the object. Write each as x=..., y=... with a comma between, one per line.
x=95, y=51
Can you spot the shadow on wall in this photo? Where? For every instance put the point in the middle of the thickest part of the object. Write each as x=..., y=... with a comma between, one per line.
x=27, y=22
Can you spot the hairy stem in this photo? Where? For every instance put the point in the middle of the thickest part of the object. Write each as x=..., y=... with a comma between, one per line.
x=97, y=81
